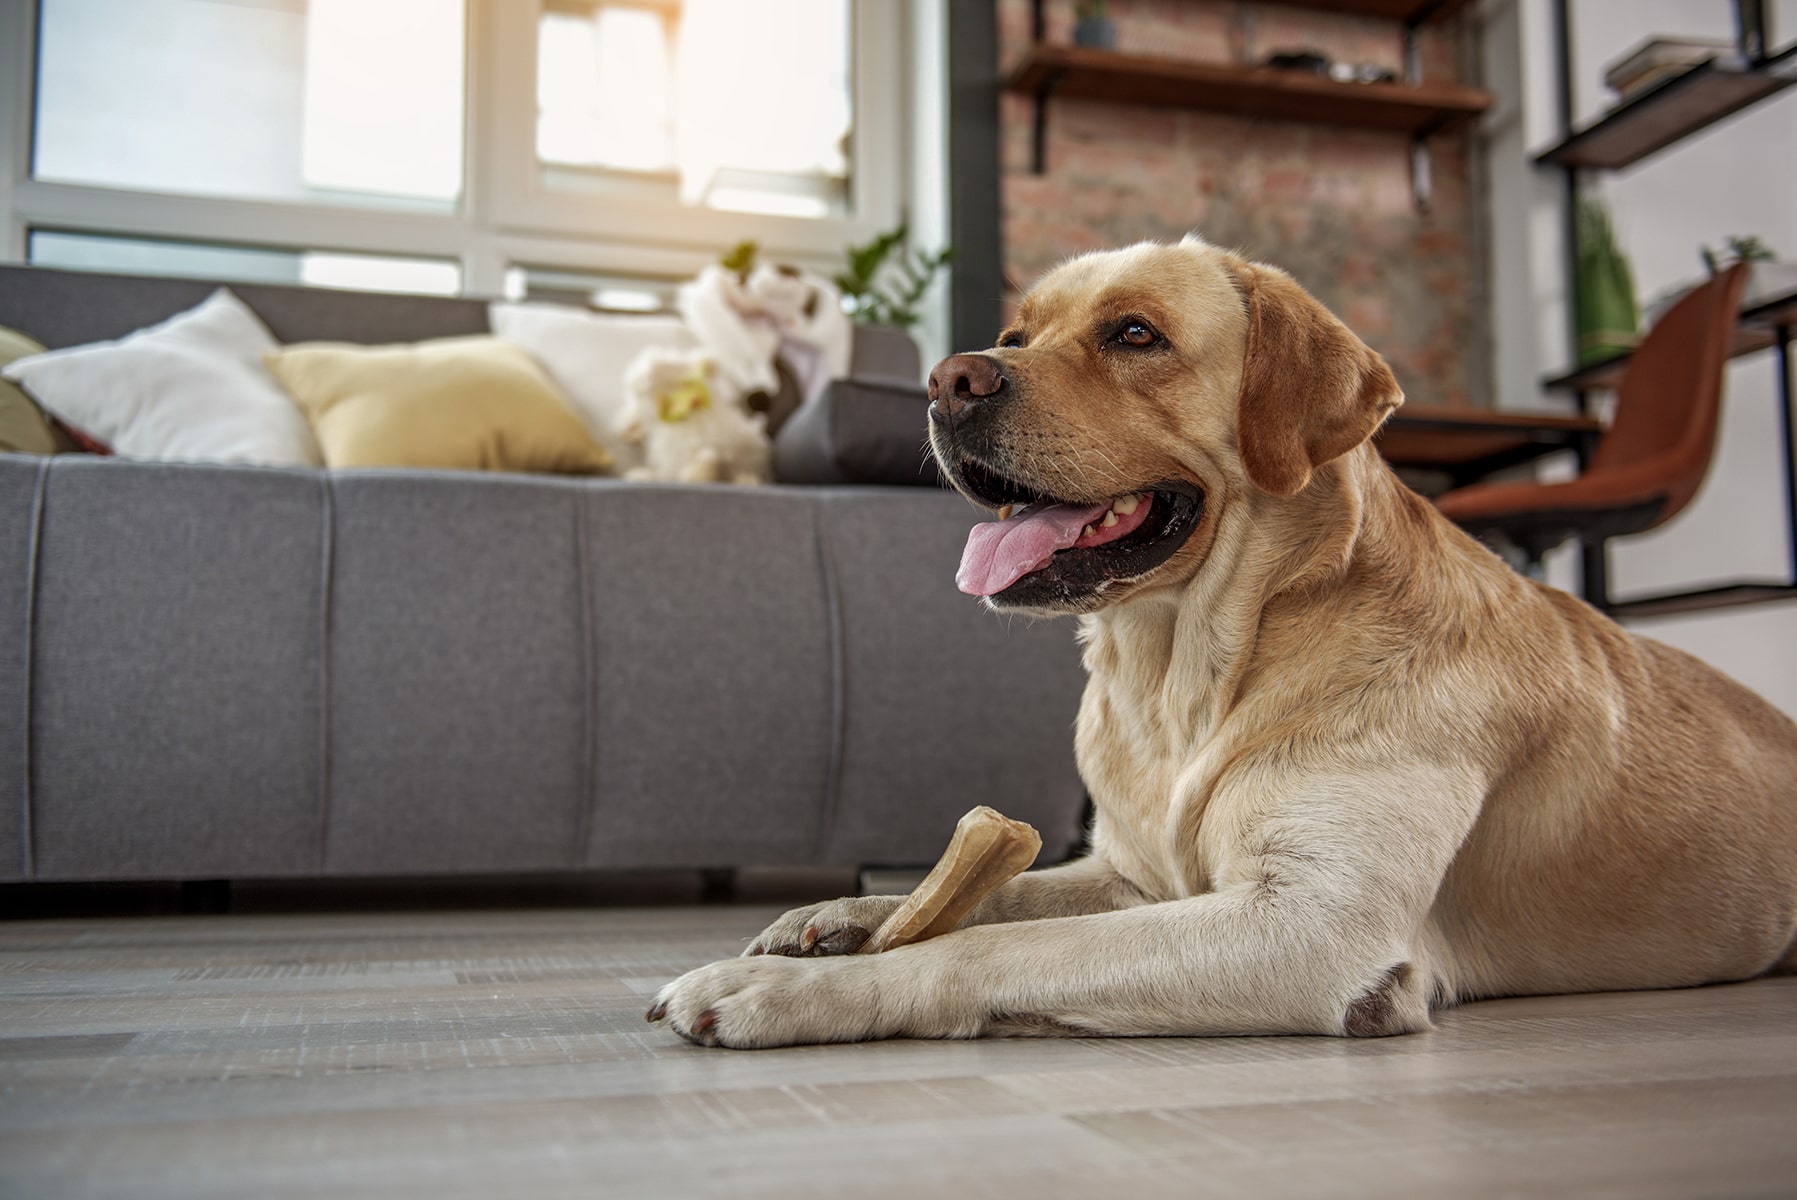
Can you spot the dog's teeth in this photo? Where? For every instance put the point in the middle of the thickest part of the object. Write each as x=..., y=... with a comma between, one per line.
x=1088, y=531
x=1110, y=519
x=1126, y=505
x=1004, y=514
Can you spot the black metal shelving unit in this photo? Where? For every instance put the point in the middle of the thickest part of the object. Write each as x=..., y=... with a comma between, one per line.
x=1656, y=120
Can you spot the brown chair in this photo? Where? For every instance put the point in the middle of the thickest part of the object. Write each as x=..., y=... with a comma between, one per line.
x=1648, y=463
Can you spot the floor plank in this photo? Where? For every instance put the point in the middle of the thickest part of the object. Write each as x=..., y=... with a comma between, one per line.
x=503, y=1053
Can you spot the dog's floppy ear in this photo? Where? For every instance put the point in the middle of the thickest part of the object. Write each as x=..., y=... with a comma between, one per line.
x=1311, y=390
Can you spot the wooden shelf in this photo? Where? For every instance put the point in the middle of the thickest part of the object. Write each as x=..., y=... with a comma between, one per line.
x=1604, y=376
x=1671, y=111
x=1085, y=74
x=1754, y=331
x=1730, y=595
x=1410, y=12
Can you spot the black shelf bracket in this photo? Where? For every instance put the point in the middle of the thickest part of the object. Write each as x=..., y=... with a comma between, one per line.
x=1039, y=122
x=1777, y=68
x=1039, y=128
x=1422, y=163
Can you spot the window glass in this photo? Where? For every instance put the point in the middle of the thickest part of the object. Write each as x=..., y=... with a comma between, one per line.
x=604, y=87
x=262, y=99
x=592, y=289
x=748, y=105
x=242, y=264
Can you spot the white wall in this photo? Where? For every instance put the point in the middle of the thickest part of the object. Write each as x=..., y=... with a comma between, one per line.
x=1739, y=177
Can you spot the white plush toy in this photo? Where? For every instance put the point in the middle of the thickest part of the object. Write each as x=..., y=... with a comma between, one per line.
x=692, y=423
x=777, y=312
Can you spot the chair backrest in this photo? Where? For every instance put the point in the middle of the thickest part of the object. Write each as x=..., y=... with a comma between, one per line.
x=1670, y=398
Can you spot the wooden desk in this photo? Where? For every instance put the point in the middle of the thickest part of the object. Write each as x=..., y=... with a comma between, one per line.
x=1472, y=443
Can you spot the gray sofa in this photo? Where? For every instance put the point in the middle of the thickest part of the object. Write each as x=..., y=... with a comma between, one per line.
x=217, y=672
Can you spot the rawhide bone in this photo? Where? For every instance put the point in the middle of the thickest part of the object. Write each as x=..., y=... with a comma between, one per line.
x=987, y=850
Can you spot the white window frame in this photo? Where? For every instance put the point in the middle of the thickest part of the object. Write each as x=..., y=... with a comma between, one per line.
x=505, y=217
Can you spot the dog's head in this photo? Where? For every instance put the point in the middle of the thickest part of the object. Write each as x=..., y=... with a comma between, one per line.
x=1137, y=395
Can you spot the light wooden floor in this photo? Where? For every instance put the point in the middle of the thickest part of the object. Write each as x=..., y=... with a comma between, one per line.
x=504, y=1054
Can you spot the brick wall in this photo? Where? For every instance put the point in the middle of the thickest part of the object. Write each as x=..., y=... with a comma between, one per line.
x=1333, y=206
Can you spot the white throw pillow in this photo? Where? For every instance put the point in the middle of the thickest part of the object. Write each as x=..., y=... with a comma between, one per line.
x=192, y=389
x=587, y=353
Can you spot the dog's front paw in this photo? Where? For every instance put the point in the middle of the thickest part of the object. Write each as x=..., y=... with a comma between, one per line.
x=833, y=927
x=753, y=1004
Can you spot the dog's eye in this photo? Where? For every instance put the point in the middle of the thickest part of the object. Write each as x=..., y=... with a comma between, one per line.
x=1011, y=341
x=1139, y=334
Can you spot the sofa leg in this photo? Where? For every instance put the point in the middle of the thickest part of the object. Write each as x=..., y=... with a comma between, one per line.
x=205, y=897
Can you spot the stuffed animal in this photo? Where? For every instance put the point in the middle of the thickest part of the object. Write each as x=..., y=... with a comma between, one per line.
x=693, y=425
x=777, y=313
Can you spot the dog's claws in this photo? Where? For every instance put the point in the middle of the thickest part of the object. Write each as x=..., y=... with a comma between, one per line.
x=706, y=1020
x=846, y=940
x=656, y=1012
x=809, y=940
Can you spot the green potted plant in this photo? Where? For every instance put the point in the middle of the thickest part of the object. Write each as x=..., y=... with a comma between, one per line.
x=1092, y=25
x=1736, y=248
x=884, y=281
x=1768, y=276
x=1609, y=320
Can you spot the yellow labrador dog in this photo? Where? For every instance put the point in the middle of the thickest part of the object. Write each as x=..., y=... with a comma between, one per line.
x=1348, y=767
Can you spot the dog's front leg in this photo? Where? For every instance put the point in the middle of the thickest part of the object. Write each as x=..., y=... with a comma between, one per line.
x=1235, y=962
x=1312, y=928
x=1086, y=885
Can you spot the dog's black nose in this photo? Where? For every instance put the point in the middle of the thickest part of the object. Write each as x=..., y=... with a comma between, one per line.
x=963, y=380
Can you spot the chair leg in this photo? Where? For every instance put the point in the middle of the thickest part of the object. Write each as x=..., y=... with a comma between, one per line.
x=1594, y=555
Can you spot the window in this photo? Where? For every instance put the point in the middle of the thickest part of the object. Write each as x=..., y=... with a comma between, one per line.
x=279, y=99
x=554, y=146
x=747, y=106
x=594, y=289
x=605, y=87
x=243, y=264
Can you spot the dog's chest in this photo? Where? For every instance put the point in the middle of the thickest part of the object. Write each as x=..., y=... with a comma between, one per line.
x=1151, y=786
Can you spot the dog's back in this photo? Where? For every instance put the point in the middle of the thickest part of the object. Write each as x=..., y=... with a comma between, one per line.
x=1641, y=826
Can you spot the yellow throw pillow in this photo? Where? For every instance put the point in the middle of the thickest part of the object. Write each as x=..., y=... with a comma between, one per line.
x=469, y=403
x=23, y=426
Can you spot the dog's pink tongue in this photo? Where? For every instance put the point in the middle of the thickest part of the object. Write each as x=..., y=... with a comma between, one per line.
x=999, y=553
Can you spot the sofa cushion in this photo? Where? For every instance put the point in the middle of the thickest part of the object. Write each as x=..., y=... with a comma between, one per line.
x=21, y=493
x=175, y=672
x=472, y=403
x=859, y=431
x=586, y=354
x=459, y=689
x=1006, y=692
x=191, y=389
x=68, y=308
x=715, y=702
x=24, y=428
